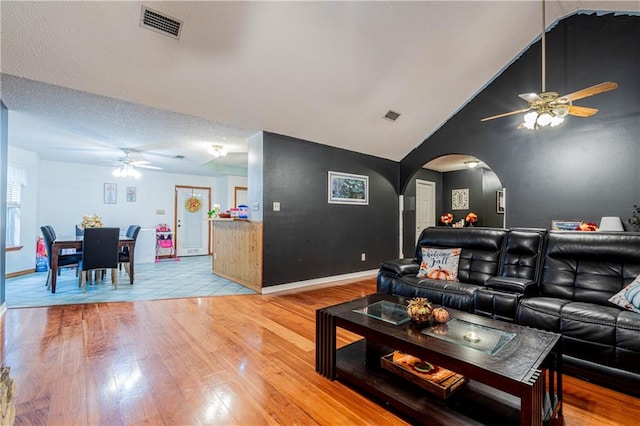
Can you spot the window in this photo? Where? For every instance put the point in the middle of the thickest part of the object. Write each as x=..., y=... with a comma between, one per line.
x=15, y=181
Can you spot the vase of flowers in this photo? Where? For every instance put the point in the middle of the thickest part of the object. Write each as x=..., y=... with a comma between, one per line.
x=471, y=218
x=91, y=220
x=446, y=219
x=214, y=212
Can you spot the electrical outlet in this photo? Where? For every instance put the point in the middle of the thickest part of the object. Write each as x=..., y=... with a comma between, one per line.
x=159, y=211
x=276, y=206
x=363, y=257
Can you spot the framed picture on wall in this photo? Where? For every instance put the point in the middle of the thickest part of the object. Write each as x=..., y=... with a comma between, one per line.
x=565, y=225
x=500, y=201
x=460, y=199
x=131, y=194
x=347, y=188
x=110, y=193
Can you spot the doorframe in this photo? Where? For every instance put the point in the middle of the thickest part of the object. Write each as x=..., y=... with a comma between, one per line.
x=432, y=185
x=175, y=215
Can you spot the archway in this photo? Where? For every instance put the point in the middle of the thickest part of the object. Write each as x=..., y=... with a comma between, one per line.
x=476, y=189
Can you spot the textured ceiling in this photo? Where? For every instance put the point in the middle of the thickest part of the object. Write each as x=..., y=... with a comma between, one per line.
x=83, y=80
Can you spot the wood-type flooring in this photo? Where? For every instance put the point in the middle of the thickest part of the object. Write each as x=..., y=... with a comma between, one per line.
x=230, y=360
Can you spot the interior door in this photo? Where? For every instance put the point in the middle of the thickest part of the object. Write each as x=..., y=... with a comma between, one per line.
x=192, y=226
x=425, y=205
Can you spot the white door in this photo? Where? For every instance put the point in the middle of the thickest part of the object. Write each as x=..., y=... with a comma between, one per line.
x=425, y=205
x=192, y=225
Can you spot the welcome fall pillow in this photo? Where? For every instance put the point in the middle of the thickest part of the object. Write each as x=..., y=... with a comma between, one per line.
x=629, y=297
x=439, y=263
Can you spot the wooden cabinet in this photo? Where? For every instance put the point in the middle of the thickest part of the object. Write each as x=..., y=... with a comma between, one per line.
x=237, y=252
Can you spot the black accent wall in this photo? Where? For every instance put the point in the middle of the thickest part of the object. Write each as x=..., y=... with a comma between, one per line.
x=584, y=169
x=310, y=238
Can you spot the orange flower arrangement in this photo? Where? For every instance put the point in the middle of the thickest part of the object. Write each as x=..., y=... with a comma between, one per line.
x=587, y=226
x=471, y=217
x=446, y=218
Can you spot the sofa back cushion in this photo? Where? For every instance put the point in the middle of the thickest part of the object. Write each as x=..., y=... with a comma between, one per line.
x=522, y=254
x=589, y=266
x=480, y=255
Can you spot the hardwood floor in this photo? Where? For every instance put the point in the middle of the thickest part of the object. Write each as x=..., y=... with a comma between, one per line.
x=220, y=360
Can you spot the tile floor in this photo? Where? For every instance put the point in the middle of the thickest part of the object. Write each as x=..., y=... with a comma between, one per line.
x=168, y=279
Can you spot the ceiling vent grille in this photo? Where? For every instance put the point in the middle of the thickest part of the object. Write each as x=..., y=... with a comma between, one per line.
x=392, y=115
x=155, y=21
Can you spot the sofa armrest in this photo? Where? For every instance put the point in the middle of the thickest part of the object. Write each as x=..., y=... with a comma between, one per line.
x=516, y=285
x=401, y=266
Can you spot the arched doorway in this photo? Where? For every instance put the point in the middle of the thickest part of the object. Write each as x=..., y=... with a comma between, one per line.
x=463, y=184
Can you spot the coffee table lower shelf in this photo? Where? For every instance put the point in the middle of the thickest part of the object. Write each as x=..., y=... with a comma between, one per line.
x=358, y=364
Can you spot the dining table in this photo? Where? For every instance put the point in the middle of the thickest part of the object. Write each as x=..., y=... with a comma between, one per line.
x=75, y=242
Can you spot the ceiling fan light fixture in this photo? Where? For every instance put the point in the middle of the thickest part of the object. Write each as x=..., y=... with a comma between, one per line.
x=217, y=150
x=530, y=120
x=544, y=119
x=126, y=170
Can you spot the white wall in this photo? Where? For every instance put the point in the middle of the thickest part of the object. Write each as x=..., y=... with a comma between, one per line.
x=59, y=194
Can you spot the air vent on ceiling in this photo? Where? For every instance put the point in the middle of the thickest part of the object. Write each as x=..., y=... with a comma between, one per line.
x=155, y=21
x=392, y=115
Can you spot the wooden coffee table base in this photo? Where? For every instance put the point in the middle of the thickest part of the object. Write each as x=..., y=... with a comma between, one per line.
x=534, y=401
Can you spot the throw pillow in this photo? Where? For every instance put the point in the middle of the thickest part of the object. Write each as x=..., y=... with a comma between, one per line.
x=439, y=263
x=629, y=297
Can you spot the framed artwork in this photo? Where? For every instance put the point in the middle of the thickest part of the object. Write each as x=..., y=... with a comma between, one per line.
x=347, y=188
x=500, y=201
x=565, y=225
x=460, y=199
x=110, y=193
x=131, y=194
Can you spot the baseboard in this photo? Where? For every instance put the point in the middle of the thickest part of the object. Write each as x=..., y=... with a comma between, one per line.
x=20, y=273
x=319, y=281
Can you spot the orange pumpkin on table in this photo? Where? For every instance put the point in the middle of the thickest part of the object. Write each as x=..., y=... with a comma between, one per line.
x=439, y=274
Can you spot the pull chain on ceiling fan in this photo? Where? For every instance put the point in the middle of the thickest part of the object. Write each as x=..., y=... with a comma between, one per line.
x=549, y=108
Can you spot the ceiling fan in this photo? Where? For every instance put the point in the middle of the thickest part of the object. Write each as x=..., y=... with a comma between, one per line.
x=126, y=166
x=549, y=108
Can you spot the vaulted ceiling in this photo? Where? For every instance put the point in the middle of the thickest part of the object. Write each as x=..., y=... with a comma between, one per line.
x=84, y=80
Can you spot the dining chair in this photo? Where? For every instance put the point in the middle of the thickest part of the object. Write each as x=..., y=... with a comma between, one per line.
x=64, y=261
x=99, y=251
x=123, y=256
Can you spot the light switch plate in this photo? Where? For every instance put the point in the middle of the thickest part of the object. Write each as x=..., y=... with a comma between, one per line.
x=276, y=206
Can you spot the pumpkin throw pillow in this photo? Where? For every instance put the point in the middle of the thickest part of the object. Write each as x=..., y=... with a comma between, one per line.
x=439, y=263
x=629, y=297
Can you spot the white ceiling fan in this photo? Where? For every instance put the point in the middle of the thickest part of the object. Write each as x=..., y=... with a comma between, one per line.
x=126, y=166
x=549, y=108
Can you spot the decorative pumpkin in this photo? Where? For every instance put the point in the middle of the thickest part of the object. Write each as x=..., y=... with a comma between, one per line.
x=420, y=309
x=439, y=274
x=441, y=315
x=471, y=217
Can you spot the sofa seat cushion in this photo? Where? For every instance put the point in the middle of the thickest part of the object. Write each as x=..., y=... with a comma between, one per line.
x=600, y=334
x=451, y=294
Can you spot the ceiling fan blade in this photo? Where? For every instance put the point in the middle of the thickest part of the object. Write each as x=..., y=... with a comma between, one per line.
x=579, y=111
x=589, y=91
x=506, y=114
x=147, y=166
x=531, y=97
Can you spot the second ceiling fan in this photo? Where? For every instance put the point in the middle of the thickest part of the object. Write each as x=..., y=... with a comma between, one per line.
x=549, y=108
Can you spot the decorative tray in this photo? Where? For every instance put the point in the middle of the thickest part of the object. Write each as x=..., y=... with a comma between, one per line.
x=435, y=380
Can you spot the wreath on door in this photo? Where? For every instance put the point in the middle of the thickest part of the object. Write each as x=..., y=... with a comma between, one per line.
x=193, y=204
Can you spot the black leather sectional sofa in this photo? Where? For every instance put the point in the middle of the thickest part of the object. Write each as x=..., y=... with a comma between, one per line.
x=558, y=281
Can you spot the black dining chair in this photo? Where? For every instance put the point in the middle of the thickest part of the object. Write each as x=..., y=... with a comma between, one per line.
x=99, y=251
x=64, y=261
x=123, y=256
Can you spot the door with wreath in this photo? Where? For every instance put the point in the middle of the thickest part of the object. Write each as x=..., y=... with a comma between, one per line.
x=192, y=227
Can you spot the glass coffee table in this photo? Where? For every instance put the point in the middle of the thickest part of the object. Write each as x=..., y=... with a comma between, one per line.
x=514, y=373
